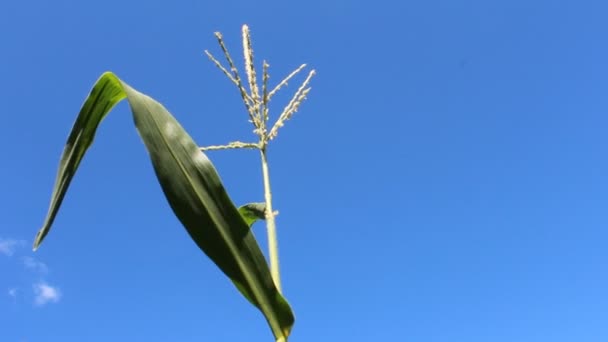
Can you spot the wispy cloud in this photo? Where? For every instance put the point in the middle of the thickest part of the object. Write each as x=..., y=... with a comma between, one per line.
x=9, y=246
x=45, y=294
x=35, y=265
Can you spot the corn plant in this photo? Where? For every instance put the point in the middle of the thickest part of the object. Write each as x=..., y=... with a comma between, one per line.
x=190, y=182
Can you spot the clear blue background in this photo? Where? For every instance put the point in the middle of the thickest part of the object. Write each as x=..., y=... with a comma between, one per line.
x=447, y=179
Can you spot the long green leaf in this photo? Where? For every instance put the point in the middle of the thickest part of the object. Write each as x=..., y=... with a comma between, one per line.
x=192, y=188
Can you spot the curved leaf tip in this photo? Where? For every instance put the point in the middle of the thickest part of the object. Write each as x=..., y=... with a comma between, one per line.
x=252, y=212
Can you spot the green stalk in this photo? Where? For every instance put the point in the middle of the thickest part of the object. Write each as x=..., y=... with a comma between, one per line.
x=273, y=245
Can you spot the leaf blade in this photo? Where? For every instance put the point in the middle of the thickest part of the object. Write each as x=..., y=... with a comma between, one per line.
x=252, y=212
x=191, y=186
x=78, y=143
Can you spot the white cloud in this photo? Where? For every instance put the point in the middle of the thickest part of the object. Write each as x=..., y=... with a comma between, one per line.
x=46, y=293
x=8, y=246
x=35, y=265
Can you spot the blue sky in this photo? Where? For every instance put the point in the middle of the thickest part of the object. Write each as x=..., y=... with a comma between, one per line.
x=447, y=179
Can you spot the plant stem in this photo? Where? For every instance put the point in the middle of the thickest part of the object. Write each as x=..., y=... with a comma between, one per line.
x=273, y=245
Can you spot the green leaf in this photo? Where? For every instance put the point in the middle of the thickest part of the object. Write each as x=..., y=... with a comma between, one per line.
x=192, y=188
x=251, y=212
